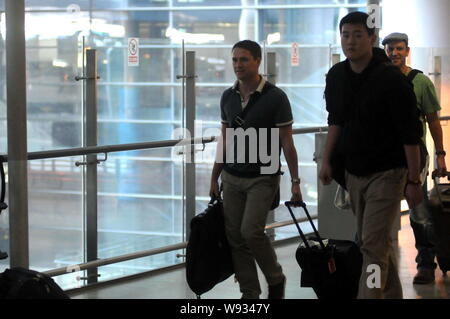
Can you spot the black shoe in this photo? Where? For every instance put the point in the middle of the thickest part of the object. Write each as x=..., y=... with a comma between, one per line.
x=424, y=276
x=277, y=291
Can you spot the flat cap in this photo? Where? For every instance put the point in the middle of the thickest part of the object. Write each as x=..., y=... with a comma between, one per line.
x=396, y=37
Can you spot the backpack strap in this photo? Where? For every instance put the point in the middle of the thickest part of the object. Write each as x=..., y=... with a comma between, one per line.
x=412, y=74
x=239, y=120
x=410, y=77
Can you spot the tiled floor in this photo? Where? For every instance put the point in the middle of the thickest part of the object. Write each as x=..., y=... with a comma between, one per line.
x=172, y=284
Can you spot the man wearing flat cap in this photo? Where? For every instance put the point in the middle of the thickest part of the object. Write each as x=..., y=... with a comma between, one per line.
x=397, y=48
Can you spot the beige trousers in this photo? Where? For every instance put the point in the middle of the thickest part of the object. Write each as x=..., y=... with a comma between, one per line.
x=375, y=201
x=246, y=204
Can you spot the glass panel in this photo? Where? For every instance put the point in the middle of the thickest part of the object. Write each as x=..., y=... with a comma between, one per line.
x=208, y=105
x=212, y=27
x=304, y=143
x=140, y=265
x=54, y=114
x=56, y=234
x=209, y=3
x=69, y=5
x=53, y=96
x=313, y=2
x=313, y=65
x=213, y=65
x=107, y=4
x=112, y=28
x=304, y=26
x=308, y=107
x=140, y=208
x=74, y=5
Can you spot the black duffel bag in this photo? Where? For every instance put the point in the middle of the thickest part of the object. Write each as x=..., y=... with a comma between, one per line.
x=208, y=254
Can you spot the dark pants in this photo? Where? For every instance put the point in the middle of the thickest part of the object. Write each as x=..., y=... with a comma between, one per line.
x=422, y=225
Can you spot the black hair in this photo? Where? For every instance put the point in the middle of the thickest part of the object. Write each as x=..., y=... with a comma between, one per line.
x=357, y=17
x=251, y=46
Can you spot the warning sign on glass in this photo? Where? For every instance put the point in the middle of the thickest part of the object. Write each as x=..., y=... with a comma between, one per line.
x=133, y=52
x=295, y=59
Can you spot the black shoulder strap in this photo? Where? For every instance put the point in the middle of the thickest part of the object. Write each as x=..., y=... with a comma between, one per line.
x=239, y=120
x=3, y=191
x=412, y=74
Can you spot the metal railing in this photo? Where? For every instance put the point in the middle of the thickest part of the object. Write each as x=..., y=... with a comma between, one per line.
x=131, y=147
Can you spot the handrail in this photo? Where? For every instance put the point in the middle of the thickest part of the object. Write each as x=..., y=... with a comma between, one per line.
x=130, y=147
x=114, y=148
x=139, y=146
x=141, y=254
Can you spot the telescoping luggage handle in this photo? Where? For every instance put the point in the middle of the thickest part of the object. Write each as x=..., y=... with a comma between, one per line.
x=436, y=182
x=302, y=235
x=331, y=262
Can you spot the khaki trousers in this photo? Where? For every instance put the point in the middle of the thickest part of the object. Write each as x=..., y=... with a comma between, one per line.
x=375, y=201
x=246, y=204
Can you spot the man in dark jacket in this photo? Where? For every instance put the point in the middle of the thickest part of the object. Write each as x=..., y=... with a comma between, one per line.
x=374, y=132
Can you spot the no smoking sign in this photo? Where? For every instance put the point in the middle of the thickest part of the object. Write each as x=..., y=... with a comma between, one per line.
x=133, y=52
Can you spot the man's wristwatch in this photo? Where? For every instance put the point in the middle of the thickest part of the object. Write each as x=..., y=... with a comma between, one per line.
x=438, y=153
x=295, y=180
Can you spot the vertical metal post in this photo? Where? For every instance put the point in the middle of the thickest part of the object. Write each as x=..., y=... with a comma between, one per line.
x=271, y=67
x=437, y=74
x=335, y=58
x=17, y=132
x=190, y=126
x=91, y=170
x=271, y=77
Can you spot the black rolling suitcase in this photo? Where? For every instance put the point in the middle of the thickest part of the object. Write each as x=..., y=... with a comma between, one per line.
x=440, y=215
x=331, y=267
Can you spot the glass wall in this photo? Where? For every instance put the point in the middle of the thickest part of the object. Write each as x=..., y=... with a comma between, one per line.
x=140, y=193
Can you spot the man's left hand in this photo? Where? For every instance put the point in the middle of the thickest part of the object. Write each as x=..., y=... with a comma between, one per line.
x=441, y=170
x=413, y=195
x=296, y=194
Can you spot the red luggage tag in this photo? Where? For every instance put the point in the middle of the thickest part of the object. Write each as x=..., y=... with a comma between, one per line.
x=331, y=265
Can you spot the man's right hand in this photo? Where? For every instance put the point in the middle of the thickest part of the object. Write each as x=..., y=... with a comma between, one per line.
x=325, y=174
x=214, y=190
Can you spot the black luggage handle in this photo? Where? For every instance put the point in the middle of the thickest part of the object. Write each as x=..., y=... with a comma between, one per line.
x=436, y=183
x=216, y=198
x=302, y=235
